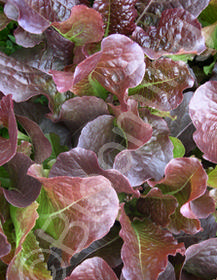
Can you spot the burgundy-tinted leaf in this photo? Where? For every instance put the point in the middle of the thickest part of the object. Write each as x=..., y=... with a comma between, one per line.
x=203, y=112
x=201, y=259
x=118, y=66
x=23, y=81
x=26, y=39
x=136, y=131
x=182, y=127
x=118, y=16
x=64, y=80
x=36, y=16
x=25, y=189
x=7, y=119
x=202, y=206
x=150, y=160
x=168, y=273
x=82, y=24
x=163, y=84
x=157, y=207
x=42, y=146
x=79, y=162
x=151, y=10
x=53, y=53
x=100, y=137
x=178, y=32
x=76, y=112
x=209, y=231
x=5, y=247
x=93, y=269
x=146, y=248
x=186, y=179
x=122, y=64
x=86, y=207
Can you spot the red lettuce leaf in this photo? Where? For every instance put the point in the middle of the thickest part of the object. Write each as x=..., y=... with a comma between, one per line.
x=5, y=246
x=118, y=66
x=157, y=207
x=23, y=81
x=54, y=52
x=74, y=115
x=35, y=17
x=7, y=119
x=203, y=112
x=118, y=16
x=79, y=162
x=168, y=273
x=186, y=179
x=81, y=25
x=64, y=81
x=151, y=10
x=24, y=189
x=150, y=160
x=146, y=248
x=42, y=146
x=92, y=269
x=100, y=137
x=75, y=204
x=201, y=259
x=26, y=39
x=163, y=84
x=28, y=259
x=209, y=231
x=177, y=32
x=136, y=131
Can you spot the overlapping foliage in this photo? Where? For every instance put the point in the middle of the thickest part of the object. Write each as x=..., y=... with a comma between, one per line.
x=107, y=167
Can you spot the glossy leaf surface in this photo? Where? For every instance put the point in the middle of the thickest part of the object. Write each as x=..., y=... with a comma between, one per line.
x=150, y=160
x=178, y=32
x=118, y=16
x=163, y=84
x=23, y=81
x=36, y=16
x=203, y=112
x=79, y=162
x=82, y=24
x=118, y=66
x=92, y=269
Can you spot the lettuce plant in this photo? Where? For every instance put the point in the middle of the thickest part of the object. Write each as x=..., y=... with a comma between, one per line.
x=108, y=120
